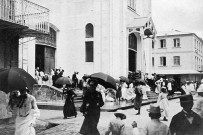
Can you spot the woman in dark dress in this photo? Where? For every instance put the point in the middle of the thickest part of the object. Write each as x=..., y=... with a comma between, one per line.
x=91, y=109
x=139, y=95
x=69, y=107
x=118, y=92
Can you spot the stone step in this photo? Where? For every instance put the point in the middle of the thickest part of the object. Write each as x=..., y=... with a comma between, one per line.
x=46, y=93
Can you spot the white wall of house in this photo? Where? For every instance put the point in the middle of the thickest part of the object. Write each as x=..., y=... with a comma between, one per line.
x=189, y=64
x=27, y=55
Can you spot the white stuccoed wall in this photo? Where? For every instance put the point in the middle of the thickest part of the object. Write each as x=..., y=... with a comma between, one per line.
x=27, y=52
x=109, y=18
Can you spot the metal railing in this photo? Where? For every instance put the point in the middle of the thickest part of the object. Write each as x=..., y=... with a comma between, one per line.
x=25, y=13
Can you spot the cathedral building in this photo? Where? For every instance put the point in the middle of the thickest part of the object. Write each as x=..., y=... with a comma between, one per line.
x=110, y=36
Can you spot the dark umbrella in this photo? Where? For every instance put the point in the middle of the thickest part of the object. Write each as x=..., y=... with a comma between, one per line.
x=139, y=81
x=64, y=80
x=123, y=78
x=14, y=79
x=106, y=80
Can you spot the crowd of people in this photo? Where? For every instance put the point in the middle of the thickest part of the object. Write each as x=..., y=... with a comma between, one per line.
x=180, y=124
x=186, y=122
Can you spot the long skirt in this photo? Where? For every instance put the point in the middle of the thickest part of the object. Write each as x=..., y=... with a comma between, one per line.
x=89, y=126
x=69, y=109
x=138, y=102
x=164, y=104
x=24, y=125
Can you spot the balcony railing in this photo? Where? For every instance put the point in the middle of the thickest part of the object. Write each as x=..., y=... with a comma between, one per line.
x=25, y=13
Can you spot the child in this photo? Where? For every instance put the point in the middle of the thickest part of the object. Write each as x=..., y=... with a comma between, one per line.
x=164, y=103
x=135, y=129
x=117, y=126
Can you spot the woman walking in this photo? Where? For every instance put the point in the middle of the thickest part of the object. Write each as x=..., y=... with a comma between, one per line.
x=118, y=92
x=27, y=113
x=164, y=103
x=158, y=86
x=139, y=86
x=124, y=87
x=91, y=109
x=69, y=107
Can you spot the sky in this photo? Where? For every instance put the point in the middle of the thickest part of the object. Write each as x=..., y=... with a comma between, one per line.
x=182, y=15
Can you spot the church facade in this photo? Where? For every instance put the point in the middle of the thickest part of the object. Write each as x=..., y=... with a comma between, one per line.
x=107, y=36
x=110, y=36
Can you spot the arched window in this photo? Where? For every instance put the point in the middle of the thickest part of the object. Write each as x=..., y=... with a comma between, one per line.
x=89, y=31
x=133, y=42
x=132, y=52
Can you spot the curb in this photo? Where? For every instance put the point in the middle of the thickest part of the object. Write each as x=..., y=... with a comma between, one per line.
x=58, y=107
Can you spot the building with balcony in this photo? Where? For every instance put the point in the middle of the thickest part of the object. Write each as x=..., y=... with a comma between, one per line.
x=39, y=51
x=19, y=19
x=178, y=55
x=103, y=36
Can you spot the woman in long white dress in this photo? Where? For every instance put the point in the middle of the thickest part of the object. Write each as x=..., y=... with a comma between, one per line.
x=164, y=103
x=102, y=90
x=158, y=86
x=27, y=113
x=130, y=94
x=124, y=87
x=144, y=92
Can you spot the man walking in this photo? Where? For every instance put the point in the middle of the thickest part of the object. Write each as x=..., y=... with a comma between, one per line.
x=185, y=122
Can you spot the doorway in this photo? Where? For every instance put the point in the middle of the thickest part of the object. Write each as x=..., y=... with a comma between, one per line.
x=39, y=57
x=132, y=52
x=132, y=60
x=177, y=79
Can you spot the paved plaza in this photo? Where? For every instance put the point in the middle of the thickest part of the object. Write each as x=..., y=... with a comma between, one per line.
x=72, y=125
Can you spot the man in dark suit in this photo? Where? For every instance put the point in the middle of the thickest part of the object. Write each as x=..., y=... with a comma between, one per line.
x=185, y=122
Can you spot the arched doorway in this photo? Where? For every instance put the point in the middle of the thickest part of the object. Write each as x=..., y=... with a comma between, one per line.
x=39, y=59
x=132, y=52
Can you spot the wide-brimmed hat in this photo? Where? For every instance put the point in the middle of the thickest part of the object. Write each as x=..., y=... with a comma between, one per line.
x=155, y=108
x=186, y=98
x=120, y=113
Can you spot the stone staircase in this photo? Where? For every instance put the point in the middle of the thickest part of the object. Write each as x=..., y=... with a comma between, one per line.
x=152, y=95
x=45, y=93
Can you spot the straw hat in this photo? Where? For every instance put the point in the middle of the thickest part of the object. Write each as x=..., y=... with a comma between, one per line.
x=120, y=113
x=155, y=108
